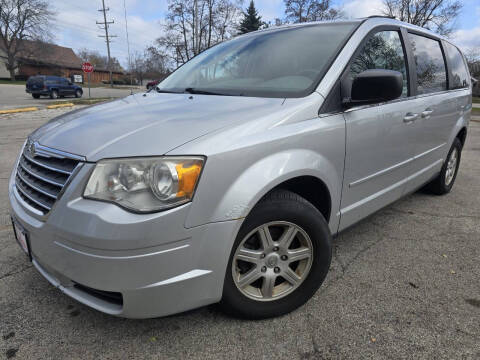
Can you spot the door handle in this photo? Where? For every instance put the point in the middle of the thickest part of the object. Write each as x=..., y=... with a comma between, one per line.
x=410, y=117
x=426, y=113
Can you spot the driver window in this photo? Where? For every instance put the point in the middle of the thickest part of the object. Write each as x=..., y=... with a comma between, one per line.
x=383, y=50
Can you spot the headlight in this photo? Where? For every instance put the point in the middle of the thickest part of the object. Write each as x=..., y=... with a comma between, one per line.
x=145, y=184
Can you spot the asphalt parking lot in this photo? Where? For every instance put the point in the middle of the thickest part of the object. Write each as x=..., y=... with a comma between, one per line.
x=404, y=284
x=14, y=96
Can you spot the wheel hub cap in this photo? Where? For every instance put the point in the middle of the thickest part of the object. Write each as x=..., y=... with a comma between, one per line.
x=272, y=261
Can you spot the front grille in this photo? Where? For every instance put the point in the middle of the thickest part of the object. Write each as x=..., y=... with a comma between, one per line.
x=41, y=177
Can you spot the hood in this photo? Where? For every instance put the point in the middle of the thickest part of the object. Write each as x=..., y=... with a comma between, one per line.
x=147, y=124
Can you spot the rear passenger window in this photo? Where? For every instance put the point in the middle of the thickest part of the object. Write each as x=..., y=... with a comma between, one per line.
x=457, y=66
x=431, y=69
x=383, y=50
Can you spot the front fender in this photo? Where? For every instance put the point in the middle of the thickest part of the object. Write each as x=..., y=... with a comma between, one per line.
x=251, y=184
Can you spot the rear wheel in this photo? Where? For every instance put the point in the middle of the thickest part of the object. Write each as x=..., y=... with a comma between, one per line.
x=54, y=94
x=280, y=258
x=78, y=93
x=443, y=183
x=36, y=96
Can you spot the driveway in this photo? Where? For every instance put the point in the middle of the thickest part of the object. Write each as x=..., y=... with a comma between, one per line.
x=12, y=96
x=403, y=284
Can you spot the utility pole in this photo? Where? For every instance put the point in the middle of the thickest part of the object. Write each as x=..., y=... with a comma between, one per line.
x=107, y=37
x=128, y=47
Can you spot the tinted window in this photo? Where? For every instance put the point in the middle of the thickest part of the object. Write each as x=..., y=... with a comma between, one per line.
x=383, y=50
x=431, y=73
x=459, y=71
x=284, y=62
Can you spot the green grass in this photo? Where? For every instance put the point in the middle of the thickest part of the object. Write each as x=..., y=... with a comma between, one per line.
x=9, y=82
x=476, y=99
x=475, y=111
x=85, y=101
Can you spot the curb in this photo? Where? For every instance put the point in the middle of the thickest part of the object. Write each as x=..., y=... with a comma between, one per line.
x=60, y=106
x=12, y=111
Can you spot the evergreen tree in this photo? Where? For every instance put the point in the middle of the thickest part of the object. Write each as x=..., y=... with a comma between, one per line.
x=251, y=20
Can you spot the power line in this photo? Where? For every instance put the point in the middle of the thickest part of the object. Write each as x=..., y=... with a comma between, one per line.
x=107, y=37
x=128, y=41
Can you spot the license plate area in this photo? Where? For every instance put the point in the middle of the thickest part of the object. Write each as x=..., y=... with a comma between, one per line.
x=22, y=238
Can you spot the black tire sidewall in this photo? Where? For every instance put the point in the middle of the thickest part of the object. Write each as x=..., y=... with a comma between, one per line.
x=54, y=94
x=311, y=221
x=78, y=93
x=458, y=145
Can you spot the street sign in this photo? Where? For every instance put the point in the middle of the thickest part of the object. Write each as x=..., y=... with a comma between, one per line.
x=87, y=67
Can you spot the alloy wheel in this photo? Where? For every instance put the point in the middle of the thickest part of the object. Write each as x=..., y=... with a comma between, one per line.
x=272, y=261
x=451, y=167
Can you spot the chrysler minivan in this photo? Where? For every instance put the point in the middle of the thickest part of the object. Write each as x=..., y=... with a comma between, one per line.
x=227, y=183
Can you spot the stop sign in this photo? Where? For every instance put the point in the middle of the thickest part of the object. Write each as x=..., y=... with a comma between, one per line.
x=87, y=67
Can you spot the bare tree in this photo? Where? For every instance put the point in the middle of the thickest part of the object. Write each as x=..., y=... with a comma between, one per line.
x=97, y=60
x=22, y=20
x=155, y=63
x=472, y=55
x=195, y=25
x=298, y=11
x=436, y=15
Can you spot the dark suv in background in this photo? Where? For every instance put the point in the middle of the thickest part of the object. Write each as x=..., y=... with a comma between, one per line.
x=53, y=86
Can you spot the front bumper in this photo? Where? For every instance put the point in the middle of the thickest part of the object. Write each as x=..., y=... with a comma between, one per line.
x=156, y=265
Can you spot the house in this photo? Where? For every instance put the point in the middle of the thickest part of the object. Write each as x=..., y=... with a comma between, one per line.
x=49, y=59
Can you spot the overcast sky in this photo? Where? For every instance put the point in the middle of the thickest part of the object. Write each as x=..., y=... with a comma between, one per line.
x=76, y=28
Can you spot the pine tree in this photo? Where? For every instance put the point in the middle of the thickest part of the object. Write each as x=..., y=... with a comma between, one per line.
x=251, y=20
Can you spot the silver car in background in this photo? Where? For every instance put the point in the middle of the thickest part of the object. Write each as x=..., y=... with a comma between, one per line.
x=227, y=183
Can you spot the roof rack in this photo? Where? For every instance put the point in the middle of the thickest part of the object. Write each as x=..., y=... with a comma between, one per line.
x=380, y=16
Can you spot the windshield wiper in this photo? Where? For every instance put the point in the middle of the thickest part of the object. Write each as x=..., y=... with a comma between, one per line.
x=192, y=90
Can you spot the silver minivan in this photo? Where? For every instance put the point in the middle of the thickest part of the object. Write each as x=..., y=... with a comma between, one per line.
x=227, y=182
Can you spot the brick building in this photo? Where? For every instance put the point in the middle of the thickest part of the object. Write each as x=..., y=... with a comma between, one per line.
x=50, y=59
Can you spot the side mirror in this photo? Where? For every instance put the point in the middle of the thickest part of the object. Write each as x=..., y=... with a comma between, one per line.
x=376, y=85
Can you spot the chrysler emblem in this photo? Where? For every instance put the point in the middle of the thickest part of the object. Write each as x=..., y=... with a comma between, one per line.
x=31, y=147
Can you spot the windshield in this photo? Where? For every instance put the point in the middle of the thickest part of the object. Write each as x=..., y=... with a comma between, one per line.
x=286, y=62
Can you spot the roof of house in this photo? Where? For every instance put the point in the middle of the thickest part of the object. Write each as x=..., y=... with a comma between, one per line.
x=42, y=53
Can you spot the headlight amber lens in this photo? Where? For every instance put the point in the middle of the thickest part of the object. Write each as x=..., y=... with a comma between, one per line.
x=145, y=184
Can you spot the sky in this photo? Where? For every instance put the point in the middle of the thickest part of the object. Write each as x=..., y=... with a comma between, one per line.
x=75, y=22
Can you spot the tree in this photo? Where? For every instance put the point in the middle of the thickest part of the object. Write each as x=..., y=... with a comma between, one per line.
x=299, y=11
x=436, y=15
x=22, y=20
x=472, y=55
x=195, y=25
x=97, y=60
x=251, y=20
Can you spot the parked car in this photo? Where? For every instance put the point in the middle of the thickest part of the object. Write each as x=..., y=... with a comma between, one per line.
x=152, y=84
x=228, y=182
x=52, y=86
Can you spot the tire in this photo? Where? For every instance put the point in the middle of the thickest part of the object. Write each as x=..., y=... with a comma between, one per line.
x=54, y=94
x=148, y=87
x=282, y=211
x=443, y=183
x=78, y=93
x=36, y=96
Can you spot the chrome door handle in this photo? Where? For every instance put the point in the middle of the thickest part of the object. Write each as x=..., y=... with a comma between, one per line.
x=410, y=117
x=426, y=113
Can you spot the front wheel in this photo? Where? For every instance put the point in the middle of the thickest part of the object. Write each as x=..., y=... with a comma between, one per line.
x=54, y=94
x=36, y=96
x=280, y=258
x=443, y=183
x=78, y=93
